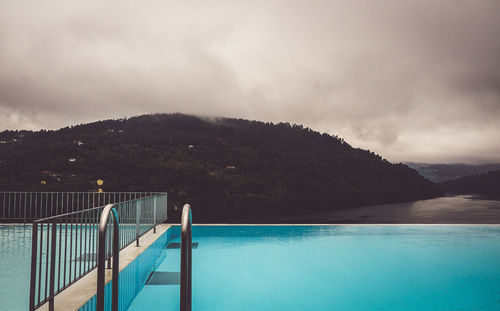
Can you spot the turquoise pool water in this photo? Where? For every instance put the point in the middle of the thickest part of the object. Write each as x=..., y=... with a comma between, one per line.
x=389, y=267
x=15, y=261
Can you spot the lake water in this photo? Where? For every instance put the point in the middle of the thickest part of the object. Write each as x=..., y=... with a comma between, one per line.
x=463, y=209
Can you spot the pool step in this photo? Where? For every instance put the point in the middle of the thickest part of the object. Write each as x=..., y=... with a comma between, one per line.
x=178, y=245
x=164, y=278
x=157, y=298
x=161, y=291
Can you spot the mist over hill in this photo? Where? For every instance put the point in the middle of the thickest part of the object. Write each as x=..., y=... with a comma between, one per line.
x=228, y=169
x=484, y=184
x=444, y=172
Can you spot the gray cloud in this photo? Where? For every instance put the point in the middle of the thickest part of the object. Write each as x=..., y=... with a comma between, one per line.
x=411, y=80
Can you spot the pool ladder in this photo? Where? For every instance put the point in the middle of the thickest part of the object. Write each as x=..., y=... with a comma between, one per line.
x=109, y=209
x=186, y=260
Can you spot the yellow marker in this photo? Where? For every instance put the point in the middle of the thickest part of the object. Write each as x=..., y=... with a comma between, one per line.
x=99, y=190
x=43, y=182
x=100, y=182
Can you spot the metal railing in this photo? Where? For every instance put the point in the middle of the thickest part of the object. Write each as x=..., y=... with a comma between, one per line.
x=64, y=247
x=186, y=260
x=101, y=258
x=24, y=207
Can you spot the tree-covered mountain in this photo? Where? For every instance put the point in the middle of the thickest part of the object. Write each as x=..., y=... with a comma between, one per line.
x=223, y=167
x=443, y=172
x=486, y=184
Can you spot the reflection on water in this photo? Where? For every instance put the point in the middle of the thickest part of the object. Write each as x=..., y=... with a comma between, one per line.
x=447, y=210
x=461, y=208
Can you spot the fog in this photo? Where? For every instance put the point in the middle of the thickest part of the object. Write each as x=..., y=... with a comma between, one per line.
x=410, y=80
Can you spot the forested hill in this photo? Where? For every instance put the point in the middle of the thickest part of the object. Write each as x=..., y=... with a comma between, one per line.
x=439, y=173
x=231, y=167
x=486, y=184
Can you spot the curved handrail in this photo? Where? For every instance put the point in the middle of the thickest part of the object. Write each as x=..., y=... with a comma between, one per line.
x=186, y=262
x=101, y=260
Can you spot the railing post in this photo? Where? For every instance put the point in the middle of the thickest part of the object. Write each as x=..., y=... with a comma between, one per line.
x=9, y=207
x=137, y=221
x=24, y=213
x=34, y=251
x=52, y=264
x=154, y=214
x=186, y=260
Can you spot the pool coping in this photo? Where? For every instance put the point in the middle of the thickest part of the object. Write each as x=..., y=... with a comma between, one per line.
x=344, y=224
x=315, y=224
x=79, y=293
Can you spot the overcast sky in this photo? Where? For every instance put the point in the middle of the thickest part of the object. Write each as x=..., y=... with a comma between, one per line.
x=411, y=80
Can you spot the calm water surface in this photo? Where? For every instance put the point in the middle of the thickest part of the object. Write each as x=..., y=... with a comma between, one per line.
x=338, y=267
x=445, y=210
x=15, y=263
x=15, y=243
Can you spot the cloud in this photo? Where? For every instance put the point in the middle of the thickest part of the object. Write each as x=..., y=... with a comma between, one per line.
x=410, y=80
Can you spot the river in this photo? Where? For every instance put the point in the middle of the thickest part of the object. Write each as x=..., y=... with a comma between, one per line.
x=461, y=209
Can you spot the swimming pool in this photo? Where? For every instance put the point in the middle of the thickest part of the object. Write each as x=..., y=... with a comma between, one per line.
x=15, y=259
x=347, y=267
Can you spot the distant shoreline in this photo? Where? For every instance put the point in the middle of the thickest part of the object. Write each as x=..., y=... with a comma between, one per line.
x=477, y=196
x=459, y=209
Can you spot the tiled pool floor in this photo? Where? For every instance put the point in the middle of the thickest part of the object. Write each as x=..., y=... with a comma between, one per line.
x=324, y=268
x=154, y=296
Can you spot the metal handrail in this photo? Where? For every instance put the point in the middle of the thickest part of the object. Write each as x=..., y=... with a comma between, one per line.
x=25, y=207
x=186, y=260
x=101, y=258
x=45, y=264
x=64, y=246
